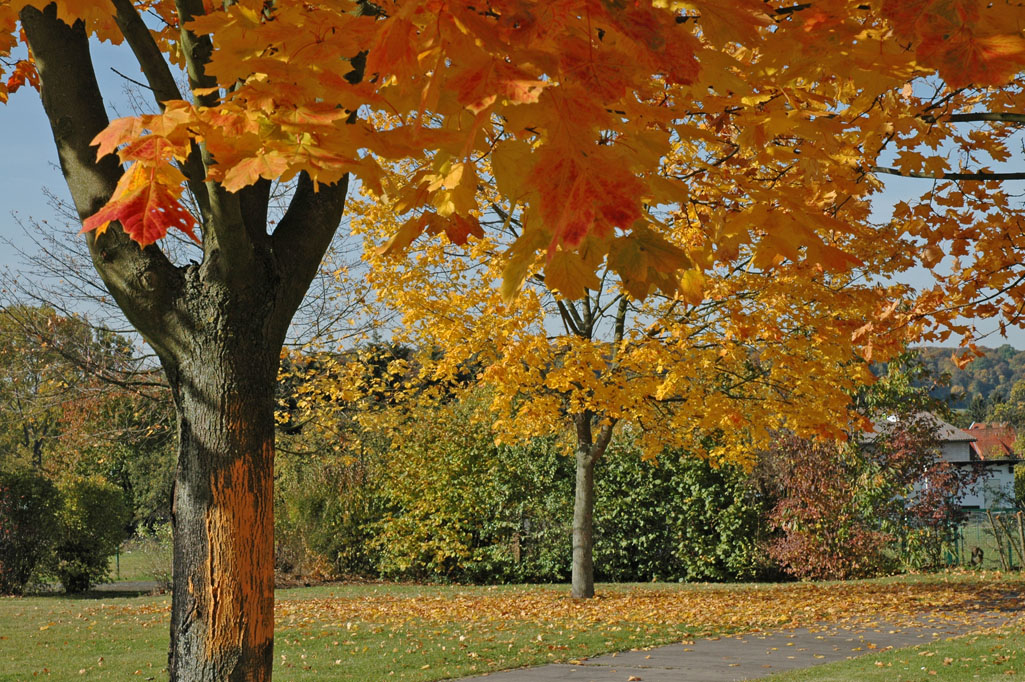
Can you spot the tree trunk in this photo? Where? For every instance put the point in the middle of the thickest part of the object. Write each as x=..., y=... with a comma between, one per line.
x=589, y=450
x=222, y=614
x=218, y=328
x=583, y=525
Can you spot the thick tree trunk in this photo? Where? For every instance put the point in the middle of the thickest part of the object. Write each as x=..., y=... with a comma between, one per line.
x=583, y=525
x=222, y=614
x=217, y=327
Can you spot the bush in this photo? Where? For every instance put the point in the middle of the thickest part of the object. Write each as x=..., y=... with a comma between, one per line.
x=847, y=511
x=438, y=500
x=464, y=509
x=92, y=521
x=28, y=526
x=324, y=521
x=676, y=519
x=824, y=529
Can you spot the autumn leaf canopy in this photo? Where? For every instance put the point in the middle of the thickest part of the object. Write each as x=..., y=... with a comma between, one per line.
x=595, y=117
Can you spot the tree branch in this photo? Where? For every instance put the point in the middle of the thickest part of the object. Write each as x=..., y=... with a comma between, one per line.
x=142, y=281
x=980, y=176
x=982, y=116
x=304, y=235
x=567, y=321
x=227, y=247
x=161, y=82
x=601, y=443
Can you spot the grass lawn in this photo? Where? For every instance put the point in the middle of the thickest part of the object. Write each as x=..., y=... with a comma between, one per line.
x=989, y=657
x=141, y=559
x=408, y=632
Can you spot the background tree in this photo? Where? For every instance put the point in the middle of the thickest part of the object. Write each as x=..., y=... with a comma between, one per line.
x=715, y=368
x=35, y=379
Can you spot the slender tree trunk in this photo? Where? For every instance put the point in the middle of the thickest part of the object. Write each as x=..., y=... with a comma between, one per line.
x=589, y=451
x=222, y=615
x=583, y=525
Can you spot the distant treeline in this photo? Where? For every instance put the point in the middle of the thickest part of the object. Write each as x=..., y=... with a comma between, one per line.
x=988, y=378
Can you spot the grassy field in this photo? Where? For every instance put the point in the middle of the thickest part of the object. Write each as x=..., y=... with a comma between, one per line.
x=142, y=559
x=408, y=632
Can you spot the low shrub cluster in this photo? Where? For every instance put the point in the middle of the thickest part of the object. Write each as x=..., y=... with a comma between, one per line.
x=425, y=493
x=65, y=531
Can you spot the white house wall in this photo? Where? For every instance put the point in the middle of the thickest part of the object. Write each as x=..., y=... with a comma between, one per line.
x=994, y=488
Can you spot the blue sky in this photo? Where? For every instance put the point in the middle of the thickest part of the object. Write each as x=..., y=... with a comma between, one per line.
x=32, y=161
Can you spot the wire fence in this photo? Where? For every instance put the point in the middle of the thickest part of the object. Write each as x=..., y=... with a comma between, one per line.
x=992, y=539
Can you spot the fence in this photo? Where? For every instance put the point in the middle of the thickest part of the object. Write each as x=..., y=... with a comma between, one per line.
x=989, y=539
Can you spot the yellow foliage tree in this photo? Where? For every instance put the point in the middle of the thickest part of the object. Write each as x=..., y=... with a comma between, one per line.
x=742, y=350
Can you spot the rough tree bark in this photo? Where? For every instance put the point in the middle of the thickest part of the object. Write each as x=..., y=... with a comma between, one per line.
x=217, y=327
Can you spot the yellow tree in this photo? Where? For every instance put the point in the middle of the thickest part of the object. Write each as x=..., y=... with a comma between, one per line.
x=598, y=91
x=740, y=351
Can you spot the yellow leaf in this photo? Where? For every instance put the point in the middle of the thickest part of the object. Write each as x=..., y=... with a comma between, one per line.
x=567, y=274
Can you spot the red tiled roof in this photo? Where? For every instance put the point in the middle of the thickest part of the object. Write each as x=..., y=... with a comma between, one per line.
x=993, y=440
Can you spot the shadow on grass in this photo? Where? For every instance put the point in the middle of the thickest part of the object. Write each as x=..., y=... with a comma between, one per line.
x=124, y=590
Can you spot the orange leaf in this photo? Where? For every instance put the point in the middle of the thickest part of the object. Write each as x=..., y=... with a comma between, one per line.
x=146, y=203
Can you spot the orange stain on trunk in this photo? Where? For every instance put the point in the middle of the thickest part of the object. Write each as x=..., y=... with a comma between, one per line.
x=240, y=533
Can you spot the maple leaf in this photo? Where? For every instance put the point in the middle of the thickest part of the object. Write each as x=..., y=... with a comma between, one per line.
x=965, y=58
x=394, y=50
x=737, y=22
x=567, y=273
x=246, y=172
x=583, y=194
x=146, y=203
x=508, y=159
x=478, y=86
x=24, y=72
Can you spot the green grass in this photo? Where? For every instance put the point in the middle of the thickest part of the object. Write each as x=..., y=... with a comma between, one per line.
x=96, y=638
x=989, y=657
x=141, y=559
x=379, y=632
x=56, y=638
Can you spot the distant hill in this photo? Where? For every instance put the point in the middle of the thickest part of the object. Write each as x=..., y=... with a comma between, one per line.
x=990, y=376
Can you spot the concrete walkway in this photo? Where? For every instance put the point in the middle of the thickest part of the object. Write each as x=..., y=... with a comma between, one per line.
x=747, y=656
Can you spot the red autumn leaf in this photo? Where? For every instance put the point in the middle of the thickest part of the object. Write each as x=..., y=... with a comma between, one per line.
x=583, y=194
x=394, y=51
x=146, y=203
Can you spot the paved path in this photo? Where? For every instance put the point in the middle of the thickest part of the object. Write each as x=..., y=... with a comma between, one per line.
x=747, y=656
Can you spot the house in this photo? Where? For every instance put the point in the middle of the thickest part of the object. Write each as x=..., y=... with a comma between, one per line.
x=993, y=457
x=985, y=449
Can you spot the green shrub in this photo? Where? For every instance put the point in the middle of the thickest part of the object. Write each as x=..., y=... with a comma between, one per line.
x=464, y=509
x=28, y=525
x=434, y=498
x=92, y=521
x=324, y=522
x=676, y=519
